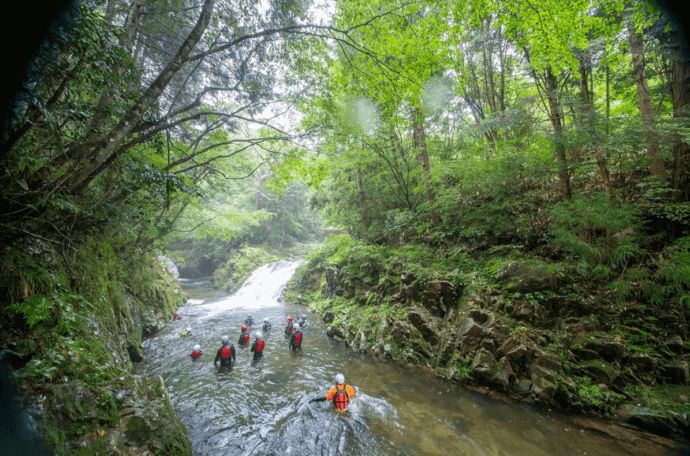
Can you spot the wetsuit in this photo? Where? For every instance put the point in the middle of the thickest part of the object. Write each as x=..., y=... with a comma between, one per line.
x=266, y=326
x=302, y=323
x=289, y=328
x=244, y=339
x=227, y=359
x=258, y=348
x=340, y=396
x=296, y=340
x=249, y=321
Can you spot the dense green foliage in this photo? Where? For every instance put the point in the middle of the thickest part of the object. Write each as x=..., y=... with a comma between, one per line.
x=527, y=157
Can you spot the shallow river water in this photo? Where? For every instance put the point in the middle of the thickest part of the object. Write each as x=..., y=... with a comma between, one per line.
x=263, y=409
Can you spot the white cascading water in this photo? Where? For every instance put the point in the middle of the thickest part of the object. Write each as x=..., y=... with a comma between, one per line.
x=262, y=289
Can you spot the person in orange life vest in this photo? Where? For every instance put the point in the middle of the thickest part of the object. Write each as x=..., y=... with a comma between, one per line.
x=258, y=346
x=226, y=353
x=196, y=352
x=289, y=327
x=340, y=394
x=296, y=339
x=176, y=316
x=245, y=337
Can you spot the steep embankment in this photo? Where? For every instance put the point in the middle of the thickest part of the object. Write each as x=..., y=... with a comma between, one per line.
x=72, y=331
x=534, y=329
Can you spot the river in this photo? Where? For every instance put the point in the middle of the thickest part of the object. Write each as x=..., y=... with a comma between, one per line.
x=263, y=409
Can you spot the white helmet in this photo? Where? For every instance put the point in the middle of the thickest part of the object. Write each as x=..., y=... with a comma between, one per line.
x=224, y=339
x=266, y=319
x=197, y=347
x=258, y=335
x=189, y=329
x=340, y=379
x=295, y=326
x=304, y=317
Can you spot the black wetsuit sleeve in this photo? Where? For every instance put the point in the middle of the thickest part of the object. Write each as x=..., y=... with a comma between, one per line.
x=239, y=341
x=233, y=354
x=217, y=357
x=253, y=346
x=317, y=399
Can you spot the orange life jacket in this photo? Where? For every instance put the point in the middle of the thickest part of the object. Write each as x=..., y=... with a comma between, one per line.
x=341, y=399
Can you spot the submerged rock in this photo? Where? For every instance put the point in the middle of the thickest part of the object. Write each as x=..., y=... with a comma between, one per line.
x=647, y=419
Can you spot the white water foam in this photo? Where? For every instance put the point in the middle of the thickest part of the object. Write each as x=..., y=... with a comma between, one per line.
x=262, y=289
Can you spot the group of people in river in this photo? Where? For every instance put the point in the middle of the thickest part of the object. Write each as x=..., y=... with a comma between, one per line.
x=226, y=355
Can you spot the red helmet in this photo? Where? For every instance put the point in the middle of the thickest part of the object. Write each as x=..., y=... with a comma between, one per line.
x=290, y=318
x=243, y=327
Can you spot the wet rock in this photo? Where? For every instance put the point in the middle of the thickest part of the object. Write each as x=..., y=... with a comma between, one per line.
x=675, y=344
x=643, y=362
x=73, y=401
x=504, y=377
x=151, y=328
x=523, y=386
x=135, y=352
x=599, y=371
x=647, y=419
x=488, y=344
x=439, y=296
x=328, y=317
x=426, y=325
x=332, y=285
x=482, y=365
x=676, y=373
x=608, y=349
x=510, y=344
x=525, y=278
x=482, y=317
x=543, y=389
x=470, y=334
x=584, y=354
x=334, y=332
x=547, y=361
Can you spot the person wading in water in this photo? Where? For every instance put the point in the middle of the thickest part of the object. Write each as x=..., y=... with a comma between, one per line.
x=340, y=394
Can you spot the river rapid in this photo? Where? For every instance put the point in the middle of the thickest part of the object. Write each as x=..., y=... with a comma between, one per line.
x=262, y=408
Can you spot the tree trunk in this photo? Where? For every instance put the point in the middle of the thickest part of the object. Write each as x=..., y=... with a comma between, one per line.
x=680, y=89
x=556, y=118
x=107, y=151
x=656, y=162
x=423, y=157
x=589, y=121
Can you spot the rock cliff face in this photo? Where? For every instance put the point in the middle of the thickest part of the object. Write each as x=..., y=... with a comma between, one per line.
x=557, y=355
x=74, y=367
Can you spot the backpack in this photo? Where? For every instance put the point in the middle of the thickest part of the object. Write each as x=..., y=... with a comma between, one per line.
x=245, y=338
x=225, y=352
x=341, y=398
x=298, y=339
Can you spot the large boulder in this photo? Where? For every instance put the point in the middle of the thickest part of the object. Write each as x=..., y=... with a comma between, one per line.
x=482, y=365
x=525, y=278
x=425, y=324
x=675, y=344
x=607, y=348
x=599, y=371
x=470, y=335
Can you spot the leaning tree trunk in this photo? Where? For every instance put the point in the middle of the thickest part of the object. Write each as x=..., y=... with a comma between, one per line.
x=96, y=159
